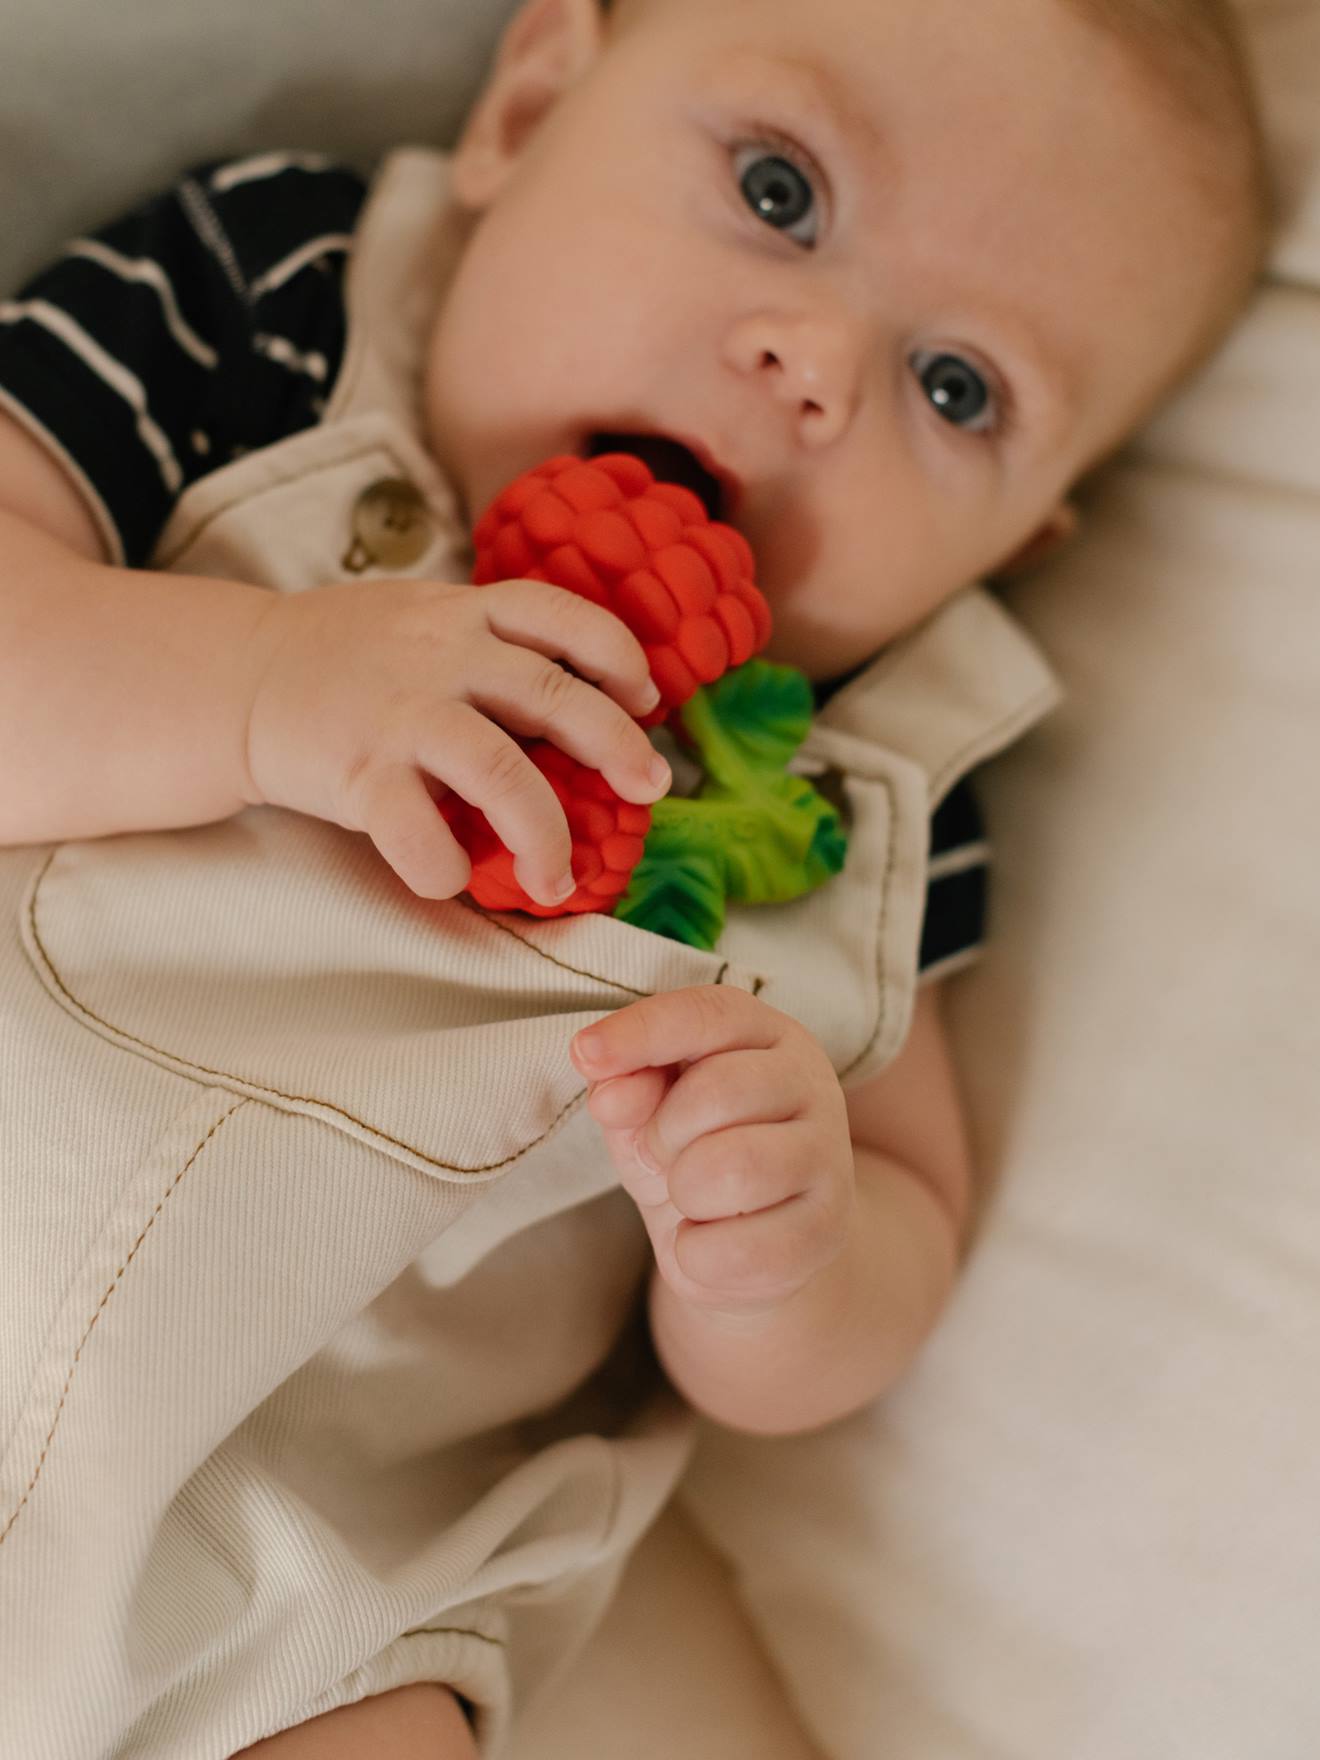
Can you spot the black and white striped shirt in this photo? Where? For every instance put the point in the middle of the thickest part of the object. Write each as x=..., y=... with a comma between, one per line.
x=203, y=324
x=210, y=321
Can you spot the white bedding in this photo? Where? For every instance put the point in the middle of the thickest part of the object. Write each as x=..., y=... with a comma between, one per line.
x=1085, y=1528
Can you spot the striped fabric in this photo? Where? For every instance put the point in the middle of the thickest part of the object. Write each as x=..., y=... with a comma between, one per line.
x=210, y=321
x=956, y=891
x=206, y=323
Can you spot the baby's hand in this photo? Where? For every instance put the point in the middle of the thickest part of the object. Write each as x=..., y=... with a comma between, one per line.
x=729, y=1129
x=369, y=695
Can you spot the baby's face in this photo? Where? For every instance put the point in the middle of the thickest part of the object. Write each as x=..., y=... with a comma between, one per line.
x=895, y=270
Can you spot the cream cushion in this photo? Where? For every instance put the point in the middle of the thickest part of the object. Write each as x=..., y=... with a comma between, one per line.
x=1085, y=1526
x=101, y=104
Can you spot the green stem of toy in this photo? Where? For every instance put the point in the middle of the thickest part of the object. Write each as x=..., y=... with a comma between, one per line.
x=755, y=833
x=708, y=827
x=756, y=821
x=727, y=771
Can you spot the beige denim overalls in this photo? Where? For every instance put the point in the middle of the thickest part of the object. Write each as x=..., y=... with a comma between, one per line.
x=314, y=1269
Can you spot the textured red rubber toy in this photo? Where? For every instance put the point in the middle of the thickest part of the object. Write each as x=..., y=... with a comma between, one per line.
x=685, y=586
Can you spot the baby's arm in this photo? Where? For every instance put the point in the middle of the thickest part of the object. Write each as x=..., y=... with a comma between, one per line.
x=119, y=689
x=134, y=701
x=806, y=1240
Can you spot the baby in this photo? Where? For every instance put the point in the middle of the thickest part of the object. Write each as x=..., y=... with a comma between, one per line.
x=887, y=278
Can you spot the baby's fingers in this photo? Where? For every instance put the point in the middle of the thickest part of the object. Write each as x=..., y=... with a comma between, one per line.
x=400, y=818
x=620, y=1107
x=677, y=1026
x=564, y=626
x=761, y=1259
x=488, y=769
x=743, y=1170
x=626, y=1103
x=529, y=696
x=491, y=771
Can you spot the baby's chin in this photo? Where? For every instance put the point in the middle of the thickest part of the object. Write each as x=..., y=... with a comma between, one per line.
x=799, y=638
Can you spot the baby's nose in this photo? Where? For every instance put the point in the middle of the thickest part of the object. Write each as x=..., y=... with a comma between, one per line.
x=808, y=365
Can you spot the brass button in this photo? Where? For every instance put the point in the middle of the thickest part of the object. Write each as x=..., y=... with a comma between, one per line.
x=391, y=527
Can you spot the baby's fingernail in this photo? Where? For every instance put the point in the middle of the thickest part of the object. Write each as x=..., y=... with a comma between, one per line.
x=650, y=696
x=659, y=773
x=563, y=888
x=588, y=1045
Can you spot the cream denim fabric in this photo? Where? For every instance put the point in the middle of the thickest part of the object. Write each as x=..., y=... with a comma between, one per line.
x=321, y=1364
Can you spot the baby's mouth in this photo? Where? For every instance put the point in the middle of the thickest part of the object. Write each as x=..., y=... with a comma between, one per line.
x=670, y=461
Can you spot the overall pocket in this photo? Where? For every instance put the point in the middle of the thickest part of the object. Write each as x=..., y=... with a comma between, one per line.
x=281, y=957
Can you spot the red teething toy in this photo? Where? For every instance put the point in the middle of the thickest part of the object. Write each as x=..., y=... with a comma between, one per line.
x=685, y=586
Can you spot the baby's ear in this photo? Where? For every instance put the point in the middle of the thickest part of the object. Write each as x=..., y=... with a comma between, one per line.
x=546, y=47
x=1050, y=535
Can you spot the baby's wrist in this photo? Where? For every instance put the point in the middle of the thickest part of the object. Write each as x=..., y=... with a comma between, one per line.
x=761, y=1369
x=270, y=631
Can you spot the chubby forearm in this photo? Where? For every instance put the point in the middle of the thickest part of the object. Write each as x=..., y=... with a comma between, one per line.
x=844, y=1338
x=122, y=693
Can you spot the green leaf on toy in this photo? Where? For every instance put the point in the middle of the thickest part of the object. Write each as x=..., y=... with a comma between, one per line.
x=753, y=832
x=760, y=710
x=829, y=844
x=675, y=891
x=796, y=845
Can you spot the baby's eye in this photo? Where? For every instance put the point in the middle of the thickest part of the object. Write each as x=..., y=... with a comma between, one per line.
x=956, y=390
x=778, y=192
